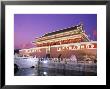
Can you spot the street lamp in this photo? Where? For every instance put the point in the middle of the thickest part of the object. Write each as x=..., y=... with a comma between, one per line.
x=45, y=61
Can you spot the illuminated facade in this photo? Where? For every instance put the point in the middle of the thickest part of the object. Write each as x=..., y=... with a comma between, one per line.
x=62, y=43
x=65, y=36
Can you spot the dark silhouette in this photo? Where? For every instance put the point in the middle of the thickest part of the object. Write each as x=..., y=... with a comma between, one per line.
x=16, y=51
x=15, y=68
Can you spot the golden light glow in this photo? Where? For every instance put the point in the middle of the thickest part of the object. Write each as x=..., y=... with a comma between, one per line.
x=77, y=47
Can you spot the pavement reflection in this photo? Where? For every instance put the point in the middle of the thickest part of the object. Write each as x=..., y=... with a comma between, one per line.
x=51, y=72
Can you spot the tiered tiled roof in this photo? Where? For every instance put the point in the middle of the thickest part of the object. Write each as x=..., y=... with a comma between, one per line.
x=64, y=30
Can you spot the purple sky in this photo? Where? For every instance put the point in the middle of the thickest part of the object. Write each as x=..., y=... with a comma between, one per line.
x=29, y=26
